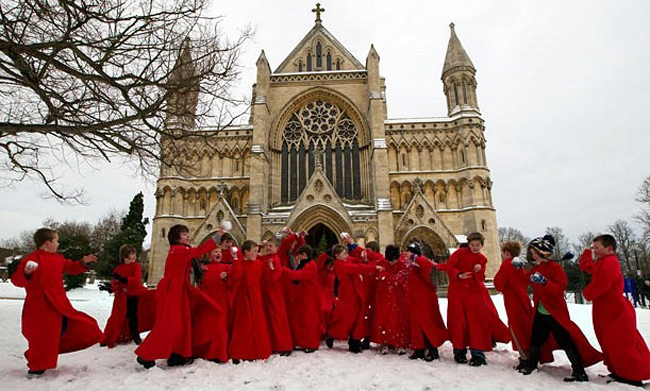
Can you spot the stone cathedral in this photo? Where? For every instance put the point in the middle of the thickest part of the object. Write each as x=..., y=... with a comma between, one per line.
x=320, y=154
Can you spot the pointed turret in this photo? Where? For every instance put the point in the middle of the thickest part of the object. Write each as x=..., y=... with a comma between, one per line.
x=263, y=76
x=458, y=77
x=372, y=65
x=183, y=90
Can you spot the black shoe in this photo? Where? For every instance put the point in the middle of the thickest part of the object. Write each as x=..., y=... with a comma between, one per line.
x=309, y=351
x=522, y=364
x=176, y=360
x=616, y=378
x=577, y=377
x=285, y=354
x=354, y=346
x=30, y=372
x=461, y=359
x=145, y=363
x=417, y=354
x=365, y=343
x=477, y=361
x=136, y=339
x=235, y=361
x=432, y=354
x=329, y=341
x=526, y=369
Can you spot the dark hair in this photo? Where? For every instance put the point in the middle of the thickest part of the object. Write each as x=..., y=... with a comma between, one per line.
x=337, y=249
x=512, y=246
x=43, y=235
x=475, y=236
x=174, y=234
x=248, y=246
x=125, y=251
x=392, y=252
x=225, y=237
x=305, y=249
x=374, y=246
x=606, y=240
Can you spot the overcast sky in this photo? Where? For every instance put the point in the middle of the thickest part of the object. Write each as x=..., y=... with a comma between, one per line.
x=563, y=88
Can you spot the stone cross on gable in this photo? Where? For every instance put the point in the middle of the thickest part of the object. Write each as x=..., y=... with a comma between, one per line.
x=318, y=10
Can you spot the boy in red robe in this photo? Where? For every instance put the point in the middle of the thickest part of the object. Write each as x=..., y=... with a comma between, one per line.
x=470, y=314
x=132, y=301
x=49, y=322
x=625, y=352
x=250, y=335
x=274, y=300
x=428, y=330
x=188, y=322
x=347, y=318
x=552, y=314
x=303, y=301
x=511, y=280
x=216, y=282
x=326, y=281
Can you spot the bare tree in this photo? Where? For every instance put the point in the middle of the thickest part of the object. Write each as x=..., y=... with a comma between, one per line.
x=562, y=245
x=625, y=246
x=584, y=241
x=98, y=79
x=643, y=217
x=508, y=233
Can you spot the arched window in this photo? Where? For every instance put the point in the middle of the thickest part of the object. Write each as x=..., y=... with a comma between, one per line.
x=456, y=94
x=329, y=61
x=319, y=57
x=309, y=62
x=483, y=225
x=299, y=66
x=321, y=128
x=163, y=233
x=338, y=65
x=465, y=92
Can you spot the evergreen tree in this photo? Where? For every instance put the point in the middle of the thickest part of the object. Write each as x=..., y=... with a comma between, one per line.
x=132, y=231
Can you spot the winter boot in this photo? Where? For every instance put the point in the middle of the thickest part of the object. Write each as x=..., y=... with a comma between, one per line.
x=365, y=343
x=432, y=354
x=36, y=373
x=577, y=377
x=329, y=341
x=579, y=374
x=417, y=354
x=145, y=363
x=477, y=361
x=460, y=356
x=176, y=360
x=354, y=345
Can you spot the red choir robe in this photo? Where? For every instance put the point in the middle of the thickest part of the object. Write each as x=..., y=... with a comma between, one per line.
x=551, y=296
x=369, y=288
x=218, y=289
x=625, y=352
x=274, y=305
x=117, y=327
x=188, y=322
x=348, y=315
x=250, y=336
x=326, y=279
x=226, y=256
x=471, y=318
x=513, y=284
x=45, y=306
x=425, y=317
x=390, y=323
x=303, y=306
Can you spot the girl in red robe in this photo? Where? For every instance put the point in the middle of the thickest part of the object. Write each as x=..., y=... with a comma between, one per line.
x=303, y=302
x=552, y=314
x=133, y=306
x=250, y=335
x=428, y=330
x=390, y=326
x=188, y=322
x=347, y=318
x=512, y=282
x=625, y=352
x=49, y=322
x=274, y=301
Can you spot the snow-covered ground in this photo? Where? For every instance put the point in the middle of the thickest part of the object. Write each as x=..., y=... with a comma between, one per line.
x=104, y=369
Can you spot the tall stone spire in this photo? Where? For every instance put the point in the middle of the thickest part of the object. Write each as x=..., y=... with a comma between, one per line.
x=183, y=90
x=458, y=77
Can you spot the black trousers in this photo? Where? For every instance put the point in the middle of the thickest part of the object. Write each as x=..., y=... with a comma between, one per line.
x=543, y=326
x=132, y=313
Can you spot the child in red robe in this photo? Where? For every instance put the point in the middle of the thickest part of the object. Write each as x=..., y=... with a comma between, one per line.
x=552, y=314
x=188, y=323
x=274, y=300
x=626, y=353
x=326, y=281
x=250, y=335
x=303, y=301
x=132, y=301
x=428, y=330
x=216, y=282
x=511, y=280
x=347, y=318
x=49, y=322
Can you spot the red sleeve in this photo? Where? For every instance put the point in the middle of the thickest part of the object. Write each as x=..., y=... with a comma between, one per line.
x=425, y=267
x=502, y=276
x=134, y=281
x=586, y=261
x=555, y=282
x=271, y=275
x=374, y=256
x=356, y=252
x=195, y=252
x=74, y=267
x=19, y=278
x=451, y=265
x=308, y=272
x=601, y=281
x=354, y=268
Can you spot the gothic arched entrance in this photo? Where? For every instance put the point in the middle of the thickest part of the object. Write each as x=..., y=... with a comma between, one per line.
x=432, y=246
x=320, y=237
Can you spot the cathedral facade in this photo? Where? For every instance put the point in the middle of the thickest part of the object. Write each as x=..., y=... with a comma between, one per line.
x=319, y=154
